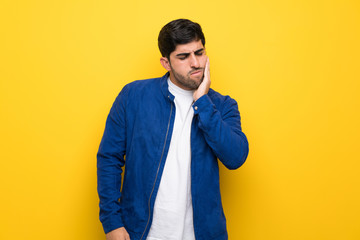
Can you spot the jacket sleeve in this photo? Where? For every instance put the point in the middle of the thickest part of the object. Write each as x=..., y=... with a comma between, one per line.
x=110, y=160
x=222, y=130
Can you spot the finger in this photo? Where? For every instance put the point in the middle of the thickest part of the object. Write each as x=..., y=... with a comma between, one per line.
x=207, y=69
x=127, y=236
x=208, y=63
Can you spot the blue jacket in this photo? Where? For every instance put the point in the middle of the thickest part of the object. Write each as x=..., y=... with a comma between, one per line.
x=139, y=128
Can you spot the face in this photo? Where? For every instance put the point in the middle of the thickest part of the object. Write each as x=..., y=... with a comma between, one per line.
x=186, y=65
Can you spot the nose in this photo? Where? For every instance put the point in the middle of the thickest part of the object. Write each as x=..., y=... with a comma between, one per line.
x=194, y=61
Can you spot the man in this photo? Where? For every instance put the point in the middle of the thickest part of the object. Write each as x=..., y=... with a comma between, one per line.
x=172, y=130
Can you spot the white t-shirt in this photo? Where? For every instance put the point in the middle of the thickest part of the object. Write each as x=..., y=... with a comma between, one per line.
x=173, y=212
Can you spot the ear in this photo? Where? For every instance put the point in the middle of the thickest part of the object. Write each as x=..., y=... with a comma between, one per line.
x=165, y=63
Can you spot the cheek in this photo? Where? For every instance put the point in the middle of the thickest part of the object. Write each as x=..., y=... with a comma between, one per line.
x=177, y=65
x=181, y=68
x=203, y=60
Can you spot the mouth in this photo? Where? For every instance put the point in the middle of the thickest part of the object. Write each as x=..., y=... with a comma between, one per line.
x=196, y=72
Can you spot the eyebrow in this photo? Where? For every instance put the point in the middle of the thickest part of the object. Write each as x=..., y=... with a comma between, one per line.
x=187, y=54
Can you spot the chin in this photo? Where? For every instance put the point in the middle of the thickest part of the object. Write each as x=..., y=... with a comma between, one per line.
x=197, y=84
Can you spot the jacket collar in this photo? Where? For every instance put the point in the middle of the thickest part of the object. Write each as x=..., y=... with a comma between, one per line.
x=165, y=87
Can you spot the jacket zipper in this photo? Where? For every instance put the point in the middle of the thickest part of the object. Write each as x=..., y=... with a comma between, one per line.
x=157, y=172
x=191, y=171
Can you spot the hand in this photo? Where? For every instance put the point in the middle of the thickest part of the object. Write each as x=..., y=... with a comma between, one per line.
x=205, y=85
x=118, y=234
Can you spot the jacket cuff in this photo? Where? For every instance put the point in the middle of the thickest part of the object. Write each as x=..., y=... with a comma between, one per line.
x=112, y=223
x=202, y=104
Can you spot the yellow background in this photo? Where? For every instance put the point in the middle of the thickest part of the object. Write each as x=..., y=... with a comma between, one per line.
x=293, y=67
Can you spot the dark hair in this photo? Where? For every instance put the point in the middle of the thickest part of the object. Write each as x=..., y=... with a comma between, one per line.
x=180, y=31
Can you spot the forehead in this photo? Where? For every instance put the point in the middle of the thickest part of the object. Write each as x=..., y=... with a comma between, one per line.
x=188, y=47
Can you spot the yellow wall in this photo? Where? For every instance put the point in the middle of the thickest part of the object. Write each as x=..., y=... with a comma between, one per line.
x=293, y=67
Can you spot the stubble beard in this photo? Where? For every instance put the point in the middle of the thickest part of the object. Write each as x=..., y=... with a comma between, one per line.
x=186, y=81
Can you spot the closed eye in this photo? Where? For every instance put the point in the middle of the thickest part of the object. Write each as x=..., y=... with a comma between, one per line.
x=183, y=56
x=199, y=52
